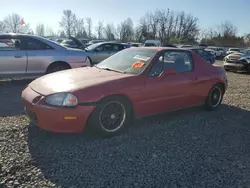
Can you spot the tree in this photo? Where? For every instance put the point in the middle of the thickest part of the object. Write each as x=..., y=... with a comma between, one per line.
x=49, y=31
x=79, y=28
x=68, y=21
x=89, y=27
x=2, y=27
x=247, y=39
x=109, y=32
x=126, y=30
x=99, y=29
x=13, y=24
x=40, y=30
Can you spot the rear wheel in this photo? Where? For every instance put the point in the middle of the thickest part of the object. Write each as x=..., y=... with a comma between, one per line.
x=214, y=97
x=57, y=67
x=111, y=116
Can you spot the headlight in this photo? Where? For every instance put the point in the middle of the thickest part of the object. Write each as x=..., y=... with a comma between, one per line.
x=62, y=99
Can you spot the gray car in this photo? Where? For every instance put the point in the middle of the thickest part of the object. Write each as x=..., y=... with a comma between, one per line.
x=35, y=56
x=100, y=51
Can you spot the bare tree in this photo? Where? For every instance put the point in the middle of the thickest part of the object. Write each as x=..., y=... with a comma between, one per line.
x=247, y=39
x=2, y=27
x=79, y=28
x=99, y=29
x=109, y=32
x=89, y=27
x=13, y=24
x=40, y=30
x=49, y=31
x=126, y=30
x=68, y=21
x=227, y=29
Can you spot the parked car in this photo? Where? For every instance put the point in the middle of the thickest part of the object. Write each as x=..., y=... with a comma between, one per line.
x=100, y=51
x=155, y=43
x=219, y=52
x=232, y=50
x=206, y=55
x=73, y=42
x=34, y=56
x=8, y=42
x=135, y=44
x=237, y=61
x=132, y=83
x=59, y=40
x=94, y=42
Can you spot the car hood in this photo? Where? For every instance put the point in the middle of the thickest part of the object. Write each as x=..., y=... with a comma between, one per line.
x=74, y=79
x=235, y=55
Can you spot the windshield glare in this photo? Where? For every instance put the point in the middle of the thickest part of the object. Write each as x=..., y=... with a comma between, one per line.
x=131, y=61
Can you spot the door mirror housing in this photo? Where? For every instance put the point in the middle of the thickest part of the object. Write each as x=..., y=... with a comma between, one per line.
x=169, y=71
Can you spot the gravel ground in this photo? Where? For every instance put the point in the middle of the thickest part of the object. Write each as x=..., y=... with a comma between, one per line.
x=189, y=148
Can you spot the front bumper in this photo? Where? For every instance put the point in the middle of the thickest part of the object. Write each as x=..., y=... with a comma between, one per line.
x=53, y=118
x=238, y=66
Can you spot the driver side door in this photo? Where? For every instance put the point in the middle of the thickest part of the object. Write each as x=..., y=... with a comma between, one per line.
x=102, y=52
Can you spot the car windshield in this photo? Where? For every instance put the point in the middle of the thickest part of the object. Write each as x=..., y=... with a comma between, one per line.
x=234, y=50
x=149, y=44
x=132, y=61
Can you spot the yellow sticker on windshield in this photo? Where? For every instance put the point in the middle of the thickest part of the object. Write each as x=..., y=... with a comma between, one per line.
x=137, y=65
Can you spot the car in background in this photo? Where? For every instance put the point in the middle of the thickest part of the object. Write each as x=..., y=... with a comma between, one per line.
x=73, y=42
x=100, y=51
x=8, y=42
x=59, y=40
x=237, y=61
x=135, y=44
x=83, y=40
x=153, y=43
x=206, y=55
x=35, y=56
x=94, y=42
x=132, y=83
x=219, y=52
x=232, y=50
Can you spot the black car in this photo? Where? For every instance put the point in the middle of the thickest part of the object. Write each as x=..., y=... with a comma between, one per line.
x=206, y=55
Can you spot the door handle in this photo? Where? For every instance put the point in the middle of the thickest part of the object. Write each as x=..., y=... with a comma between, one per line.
x=194, y=78
x=18, y=56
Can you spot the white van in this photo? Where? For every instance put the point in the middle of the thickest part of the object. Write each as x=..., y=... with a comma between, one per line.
x=152, y=43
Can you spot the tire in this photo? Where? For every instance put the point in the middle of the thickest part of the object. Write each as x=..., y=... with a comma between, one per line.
x=118, y=106
x=214, y=97
x=57, y=67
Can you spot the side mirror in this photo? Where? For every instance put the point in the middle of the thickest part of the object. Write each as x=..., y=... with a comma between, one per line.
x=169, y=71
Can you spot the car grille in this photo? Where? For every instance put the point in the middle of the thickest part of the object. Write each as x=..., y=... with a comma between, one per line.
x=31, y=115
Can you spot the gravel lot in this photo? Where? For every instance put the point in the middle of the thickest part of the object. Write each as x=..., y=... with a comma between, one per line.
x=189, y=148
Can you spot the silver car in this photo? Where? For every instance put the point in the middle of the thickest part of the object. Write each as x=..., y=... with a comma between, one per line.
x=100, y=51
x=34, y=56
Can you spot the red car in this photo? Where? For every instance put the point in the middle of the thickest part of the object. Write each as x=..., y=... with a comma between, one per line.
x=134, y=82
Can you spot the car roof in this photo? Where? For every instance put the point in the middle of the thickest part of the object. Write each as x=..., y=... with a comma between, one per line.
x=164, y=48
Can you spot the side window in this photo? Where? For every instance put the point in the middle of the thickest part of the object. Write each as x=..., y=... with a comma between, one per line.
x=8, y=45
x=182, y=61
x=118, y=47
x=156, y=68
x=33, y=44
x=108, y=47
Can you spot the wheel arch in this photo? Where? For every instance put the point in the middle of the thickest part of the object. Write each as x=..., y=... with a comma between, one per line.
x=123, y=96
x=58, y=63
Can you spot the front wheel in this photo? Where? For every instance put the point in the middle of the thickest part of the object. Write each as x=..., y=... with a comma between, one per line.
x=111, y=116
x=214, y=97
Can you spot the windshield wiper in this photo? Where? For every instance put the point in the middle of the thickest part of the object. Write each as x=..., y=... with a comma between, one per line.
x=108, y=69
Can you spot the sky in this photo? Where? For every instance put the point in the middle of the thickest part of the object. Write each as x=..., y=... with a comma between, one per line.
x=209, y=12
